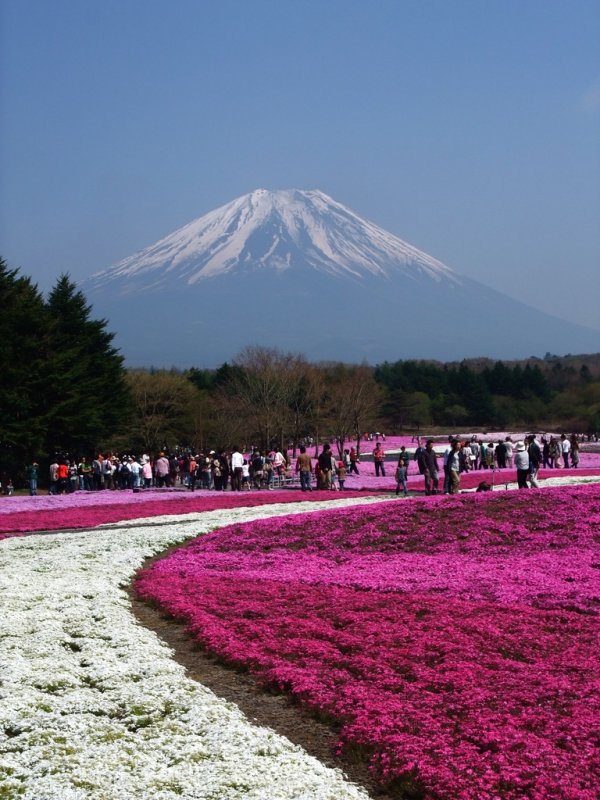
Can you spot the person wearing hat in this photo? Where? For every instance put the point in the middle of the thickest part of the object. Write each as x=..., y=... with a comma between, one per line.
x=522, y=464
x=161, y=470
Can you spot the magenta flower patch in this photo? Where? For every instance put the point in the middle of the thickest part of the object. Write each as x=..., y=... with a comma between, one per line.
x=455, y=639
x=101, y=508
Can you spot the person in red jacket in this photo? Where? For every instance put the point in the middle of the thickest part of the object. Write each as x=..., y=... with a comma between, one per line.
x=379, y=460
x=62, y=476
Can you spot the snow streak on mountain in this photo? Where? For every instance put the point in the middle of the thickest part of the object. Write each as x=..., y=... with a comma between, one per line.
x=279, y=230
x=298, y=271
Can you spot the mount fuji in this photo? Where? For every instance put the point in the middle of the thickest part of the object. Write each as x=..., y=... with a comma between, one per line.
x=299, y=271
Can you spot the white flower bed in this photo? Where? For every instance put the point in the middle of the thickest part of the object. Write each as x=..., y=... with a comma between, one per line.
x=92, y=704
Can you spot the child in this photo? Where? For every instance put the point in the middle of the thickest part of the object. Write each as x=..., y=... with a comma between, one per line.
x=246, y=475
x=341, y=471
x=401, y=477
x=334, y=476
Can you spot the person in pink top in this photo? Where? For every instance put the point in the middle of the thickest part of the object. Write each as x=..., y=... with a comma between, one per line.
x=161, y=469
x=147, y=473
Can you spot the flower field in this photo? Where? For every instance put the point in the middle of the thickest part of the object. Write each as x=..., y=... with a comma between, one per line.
x=92, y=705
x=453, y=639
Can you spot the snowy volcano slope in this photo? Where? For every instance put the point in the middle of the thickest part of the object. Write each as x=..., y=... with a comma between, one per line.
x=275, y=231
x=299, y=271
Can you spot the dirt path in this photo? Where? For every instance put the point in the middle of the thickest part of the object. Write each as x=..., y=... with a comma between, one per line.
x=269, y=709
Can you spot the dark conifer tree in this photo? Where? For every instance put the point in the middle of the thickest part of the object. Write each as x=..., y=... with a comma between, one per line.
x=23, y=329
x=86, y=396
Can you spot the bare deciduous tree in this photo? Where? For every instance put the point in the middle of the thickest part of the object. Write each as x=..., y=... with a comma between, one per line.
x=266, y=393
x=163, y=403
x=354, y=401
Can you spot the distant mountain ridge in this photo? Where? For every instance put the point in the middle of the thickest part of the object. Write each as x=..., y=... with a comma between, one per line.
x=298, y=270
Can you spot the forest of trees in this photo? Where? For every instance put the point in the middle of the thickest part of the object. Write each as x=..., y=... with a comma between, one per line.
x=65, y=389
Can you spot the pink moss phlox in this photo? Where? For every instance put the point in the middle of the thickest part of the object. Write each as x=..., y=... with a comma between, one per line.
x=454, y=638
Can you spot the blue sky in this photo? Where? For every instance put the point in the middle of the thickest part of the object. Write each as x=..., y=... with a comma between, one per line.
x=469, y=128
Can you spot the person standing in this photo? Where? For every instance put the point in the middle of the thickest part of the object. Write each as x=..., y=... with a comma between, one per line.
x=279, y=464
x=341, y=474
x=237, y=469
x=161, y=470
x=147, y=473
x=334, y=475
x=346, y=459
x=509, y=451
x=501, y=454
x=206, y=469
x=465, y=456
x=192, y=466
x=85, y=474
x=354, y=462
x=73, y=483
x=565, y=447
x=546, y=457
x=32, y=473
x=62, y=477
x=108, y=470
x=401, y=474
x=135, y=471
x=268, y=474
x=304, y=469
x=482, y=456
x=431, y=473
x=405, y=457
x=173, y=470
x=419, y=455
x=554, y=452
x=97, y=476
x=535, y=459
x=446, y=456
x=325, y=466
x=454, y=468
x=256, y=469
x=53, y=477
x=522, y=465
x=574, y=452
x=475, y=452
x=379, y=460
x=225, y=469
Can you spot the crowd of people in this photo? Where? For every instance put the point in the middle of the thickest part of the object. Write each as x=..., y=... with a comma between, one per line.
x=205, y=470
x=463, y=456
x=221, y=470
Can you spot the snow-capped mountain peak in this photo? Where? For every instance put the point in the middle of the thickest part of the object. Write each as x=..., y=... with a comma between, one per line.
x=275, y=230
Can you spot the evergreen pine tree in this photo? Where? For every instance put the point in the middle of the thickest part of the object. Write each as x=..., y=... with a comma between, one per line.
x=23, y=329
x=86, y=396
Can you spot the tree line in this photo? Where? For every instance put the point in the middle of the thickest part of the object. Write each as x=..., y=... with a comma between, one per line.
x=65, y=389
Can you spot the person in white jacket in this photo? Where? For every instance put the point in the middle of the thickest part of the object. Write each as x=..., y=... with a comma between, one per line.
x=522, y=465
